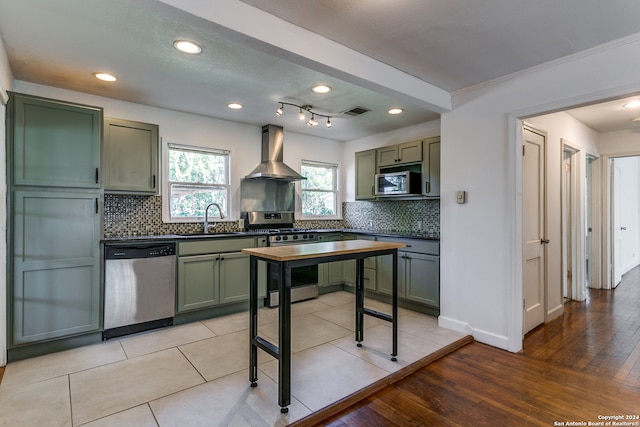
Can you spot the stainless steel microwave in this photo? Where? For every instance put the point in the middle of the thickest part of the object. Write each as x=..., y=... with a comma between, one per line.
x=398, y=183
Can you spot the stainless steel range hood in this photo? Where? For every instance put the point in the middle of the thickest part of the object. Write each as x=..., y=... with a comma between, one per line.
x=272, y=166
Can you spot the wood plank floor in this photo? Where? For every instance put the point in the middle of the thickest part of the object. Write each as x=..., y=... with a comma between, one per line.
x=581, y=366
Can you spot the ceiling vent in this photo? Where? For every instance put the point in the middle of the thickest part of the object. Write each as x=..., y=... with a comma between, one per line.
x=356, y=111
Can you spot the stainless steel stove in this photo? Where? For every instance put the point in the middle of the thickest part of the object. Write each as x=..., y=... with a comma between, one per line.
x=279, y=226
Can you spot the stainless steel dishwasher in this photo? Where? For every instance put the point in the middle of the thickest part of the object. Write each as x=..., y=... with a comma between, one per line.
x=139, y=287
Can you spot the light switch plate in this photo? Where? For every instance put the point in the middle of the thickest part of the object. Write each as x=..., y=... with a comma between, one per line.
x=461, y=197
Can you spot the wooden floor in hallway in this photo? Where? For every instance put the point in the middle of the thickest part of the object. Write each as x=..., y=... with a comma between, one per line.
x=579, y=368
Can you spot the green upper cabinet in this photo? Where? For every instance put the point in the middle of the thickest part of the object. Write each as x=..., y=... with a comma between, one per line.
x=431, y=168
x=130, y=156
x=55, y=143
x=365, y=174
x=407, y=152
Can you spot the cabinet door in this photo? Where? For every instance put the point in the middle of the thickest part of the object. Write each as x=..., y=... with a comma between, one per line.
x=365, y=174
x=56, y=265
x=384, y=274
x=197, y=282
x=349, y=272
x=431, y=169
x=234, y=277
x=410, y=152
x=336, y=272
x=422, y=278
x=130, y=156
x=55, y=144
x=387, y=156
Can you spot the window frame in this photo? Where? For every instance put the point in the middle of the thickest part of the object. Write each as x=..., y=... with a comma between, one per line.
x=166, y=183
x=336, y=190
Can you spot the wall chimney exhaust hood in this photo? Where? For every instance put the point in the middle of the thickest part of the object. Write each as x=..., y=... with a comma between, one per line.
x=272, y=166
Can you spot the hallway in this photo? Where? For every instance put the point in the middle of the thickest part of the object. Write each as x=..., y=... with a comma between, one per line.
x=577, y=368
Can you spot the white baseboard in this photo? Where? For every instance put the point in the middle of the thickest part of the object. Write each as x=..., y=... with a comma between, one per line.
x=485, y=337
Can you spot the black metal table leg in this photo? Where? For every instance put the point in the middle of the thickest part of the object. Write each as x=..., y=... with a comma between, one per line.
x=253, y=320
x=359, y=301
x=394, y=308
x=284, y=359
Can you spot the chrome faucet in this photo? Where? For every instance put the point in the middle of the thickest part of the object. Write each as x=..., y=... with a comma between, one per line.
x=208, y=227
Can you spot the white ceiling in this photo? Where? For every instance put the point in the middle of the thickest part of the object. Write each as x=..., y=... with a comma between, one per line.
x=445, y=44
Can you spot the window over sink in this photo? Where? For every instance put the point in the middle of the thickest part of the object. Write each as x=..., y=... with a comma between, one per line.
x=196, y=177
x=320, y=190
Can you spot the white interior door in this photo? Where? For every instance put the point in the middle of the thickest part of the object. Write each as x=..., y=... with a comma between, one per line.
x=616, y=214
x=534, y=228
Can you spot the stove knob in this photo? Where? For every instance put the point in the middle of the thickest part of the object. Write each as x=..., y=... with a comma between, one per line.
x=304, y=236
x=285, y=237
x=295, y=237
x=277, y=238
x=311, y=236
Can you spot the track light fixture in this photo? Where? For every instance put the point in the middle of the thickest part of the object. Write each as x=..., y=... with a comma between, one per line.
x=303, y=111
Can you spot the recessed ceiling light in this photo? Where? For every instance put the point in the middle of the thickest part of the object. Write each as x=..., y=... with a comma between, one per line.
x=187, y=47
x=321, y=88
x=632, y=104
x=396, y=111
x=106, y=77
x=235, y=106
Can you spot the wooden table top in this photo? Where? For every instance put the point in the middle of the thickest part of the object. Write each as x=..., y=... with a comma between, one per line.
x=320, y=250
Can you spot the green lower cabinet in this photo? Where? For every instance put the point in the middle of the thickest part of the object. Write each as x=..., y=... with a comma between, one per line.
x=198, y=283
x=56, y=265
x=213, y=279
x=422, y=278
x=418, y=277
x=234, y=277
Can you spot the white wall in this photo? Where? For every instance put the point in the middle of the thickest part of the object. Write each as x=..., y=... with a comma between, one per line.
x=481, y=247
x=6, y=79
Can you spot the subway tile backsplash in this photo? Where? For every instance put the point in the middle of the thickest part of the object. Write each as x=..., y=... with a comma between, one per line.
x=126, y=215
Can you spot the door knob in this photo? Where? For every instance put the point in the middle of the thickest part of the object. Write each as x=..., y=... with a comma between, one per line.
x=543, y=241
x=623, y=228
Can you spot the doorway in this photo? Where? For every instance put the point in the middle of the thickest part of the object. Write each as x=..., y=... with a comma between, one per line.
x=624, y=175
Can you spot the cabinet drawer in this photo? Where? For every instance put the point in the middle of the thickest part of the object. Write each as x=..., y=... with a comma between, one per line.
x=431, y=247
x=370, y=263
x=215, y=245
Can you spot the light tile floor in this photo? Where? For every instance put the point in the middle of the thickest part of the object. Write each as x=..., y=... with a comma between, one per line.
x=197, y=374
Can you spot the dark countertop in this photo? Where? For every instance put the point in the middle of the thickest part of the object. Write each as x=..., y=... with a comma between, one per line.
x=238, y=234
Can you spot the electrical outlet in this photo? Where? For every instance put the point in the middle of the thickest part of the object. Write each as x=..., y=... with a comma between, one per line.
x=419, y=225
x=371, y=224
x=241, y=224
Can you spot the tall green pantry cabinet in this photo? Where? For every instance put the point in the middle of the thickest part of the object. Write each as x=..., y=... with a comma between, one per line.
x=53, y=166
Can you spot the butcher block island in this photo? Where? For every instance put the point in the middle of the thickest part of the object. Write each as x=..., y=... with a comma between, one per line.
x=284, y=258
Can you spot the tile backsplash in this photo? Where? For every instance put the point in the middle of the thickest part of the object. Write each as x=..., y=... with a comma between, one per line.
x=126, y=215
x=403, y=216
